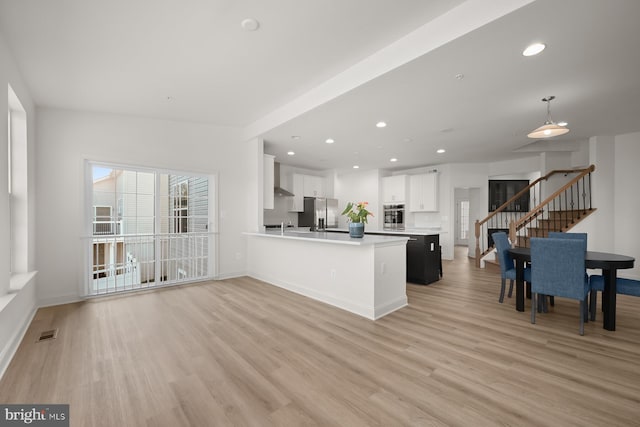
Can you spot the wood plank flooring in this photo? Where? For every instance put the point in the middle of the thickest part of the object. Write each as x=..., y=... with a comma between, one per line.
x=240, y=352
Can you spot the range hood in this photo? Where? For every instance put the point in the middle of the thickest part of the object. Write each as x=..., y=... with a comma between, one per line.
x=277, y=190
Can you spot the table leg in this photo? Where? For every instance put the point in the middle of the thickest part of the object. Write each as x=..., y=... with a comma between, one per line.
x=520, y=286
x=609, y=299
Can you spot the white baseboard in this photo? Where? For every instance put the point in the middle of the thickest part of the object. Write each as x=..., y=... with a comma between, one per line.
x=231, y=275
x=10, y=348
x=59, y=300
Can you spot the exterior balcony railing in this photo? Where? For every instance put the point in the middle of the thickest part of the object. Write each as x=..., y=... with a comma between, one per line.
x=107, y=228
x=132, y=262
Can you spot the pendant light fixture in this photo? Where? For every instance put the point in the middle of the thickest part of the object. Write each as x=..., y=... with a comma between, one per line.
x=549, y=128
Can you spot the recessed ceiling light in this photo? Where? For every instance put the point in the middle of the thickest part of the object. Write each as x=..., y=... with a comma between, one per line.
x=381, y=124
x=393, y=159
x=169, y=98
x=296, y=137
x=441, y=150
x=533, y=49
x=329, y=141
x=249, y=24
x=291, y=153
x=356, y=167
x=459, y=76
x=562, y=123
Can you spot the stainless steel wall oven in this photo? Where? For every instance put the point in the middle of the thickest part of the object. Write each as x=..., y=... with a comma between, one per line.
x=393, y=217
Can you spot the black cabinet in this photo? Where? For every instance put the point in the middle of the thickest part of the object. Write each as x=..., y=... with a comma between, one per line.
x=500, y=191
x=423, y=259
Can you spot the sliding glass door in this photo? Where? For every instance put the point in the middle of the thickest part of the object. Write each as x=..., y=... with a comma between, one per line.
x=147, y=228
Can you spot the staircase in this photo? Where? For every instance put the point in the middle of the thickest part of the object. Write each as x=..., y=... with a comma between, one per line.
x=562, y=210
x=555, y=221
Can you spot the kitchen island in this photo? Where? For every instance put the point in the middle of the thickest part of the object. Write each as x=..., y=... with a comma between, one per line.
x=424, y=255
x=364, y=276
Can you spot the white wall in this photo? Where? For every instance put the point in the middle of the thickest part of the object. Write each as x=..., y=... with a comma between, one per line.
x=613, y=227
x=17, y=308
x=360, y=186
x=506, y=167
x=627, y=199
x=67, y=139
x=472, y=176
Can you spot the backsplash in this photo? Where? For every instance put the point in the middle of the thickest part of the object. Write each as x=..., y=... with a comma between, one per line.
x=426, y=220
x=280, y=213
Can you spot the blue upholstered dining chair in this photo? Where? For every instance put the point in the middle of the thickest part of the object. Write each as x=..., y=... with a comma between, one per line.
x=557, y=268
x=563, y=235
x=507, y=267
x=623, y=287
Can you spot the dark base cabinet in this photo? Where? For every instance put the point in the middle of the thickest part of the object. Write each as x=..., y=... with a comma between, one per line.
x=423, y=259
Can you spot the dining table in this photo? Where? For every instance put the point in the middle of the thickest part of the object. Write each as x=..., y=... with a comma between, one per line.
x=609, y=263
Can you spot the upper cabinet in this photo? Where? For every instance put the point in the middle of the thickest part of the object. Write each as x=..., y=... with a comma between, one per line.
x=268, y=181
x=394, y=189
x=423, y=192
x=500, y=191
x=313, y=186
x=305, y=186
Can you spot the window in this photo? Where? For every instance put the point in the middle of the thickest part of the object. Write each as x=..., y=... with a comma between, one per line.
x=10, y=172
x=17, y=184
x=180, y=203
x=159, y=234
x=102, y=220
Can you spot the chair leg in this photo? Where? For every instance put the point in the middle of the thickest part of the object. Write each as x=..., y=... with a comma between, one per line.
x=582, y=303
x=502, y=286
x=533, y=308
x=552, y=301
x=593, y=301
x=510, y=288
x=585, y=309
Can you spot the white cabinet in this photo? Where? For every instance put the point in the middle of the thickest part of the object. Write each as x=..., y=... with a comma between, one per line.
x=296, y=203
x=313, y=186
x=423, y=192
x=305, y=186
x=394, y=189
x=268, y=181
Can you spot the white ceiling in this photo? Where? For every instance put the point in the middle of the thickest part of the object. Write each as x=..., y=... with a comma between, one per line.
x=131, y=56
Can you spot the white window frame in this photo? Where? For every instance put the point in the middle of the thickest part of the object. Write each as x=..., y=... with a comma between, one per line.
x=17, y=187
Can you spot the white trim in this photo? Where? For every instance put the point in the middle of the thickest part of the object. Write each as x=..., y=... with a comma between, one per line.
x=17, y=281
x=10, y=349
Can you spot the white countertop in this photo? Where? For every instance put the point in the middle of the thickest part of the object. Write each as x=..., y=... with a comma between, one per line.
x=331, y=238
x=405, y=232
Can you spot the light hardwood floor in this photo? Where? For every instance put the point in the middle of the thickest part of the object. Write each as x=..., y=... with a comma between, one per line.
x=241, y=352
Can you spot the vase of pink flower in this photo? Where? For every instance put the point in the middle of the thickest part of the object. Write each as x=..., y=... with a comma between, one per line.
x=357, y=215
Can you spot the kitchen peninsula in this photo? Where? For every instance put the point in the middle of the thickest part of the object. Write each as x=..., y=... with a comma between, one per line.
x=364, y=276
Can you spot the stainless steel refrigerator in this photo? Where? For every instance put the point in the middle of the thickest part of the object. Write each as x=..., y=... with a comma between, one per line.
x=319, y=213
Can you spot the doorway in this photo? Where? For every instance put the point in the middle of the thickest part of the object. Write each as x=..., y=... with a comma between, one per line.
x=462, y=225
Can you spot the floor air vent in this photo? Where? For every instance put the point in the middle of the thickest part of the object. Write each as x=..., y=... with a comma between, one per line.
x=48, y=335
